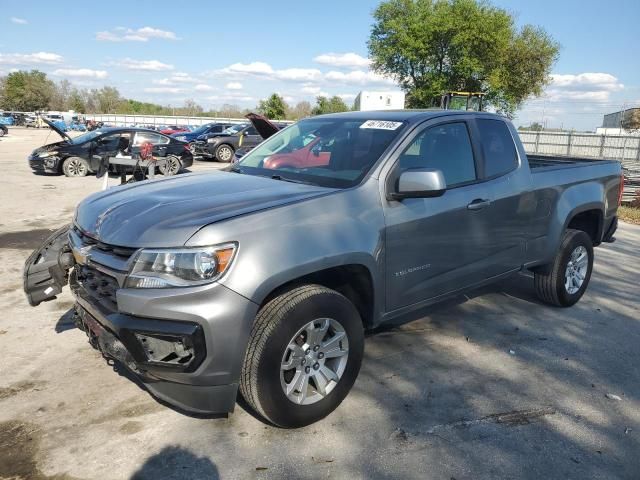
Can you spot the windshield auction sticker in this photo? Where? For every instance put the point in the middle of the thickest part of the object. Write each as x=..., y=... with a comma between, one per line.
x=381, y=125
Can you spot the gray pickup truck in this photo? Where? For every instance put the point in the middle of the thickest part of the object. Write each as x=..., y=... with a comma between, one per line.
x=265, y=277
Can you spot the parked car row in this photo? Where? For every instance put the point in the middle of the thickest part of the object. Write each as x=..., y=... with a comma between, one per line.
x=223, y=146
x=83, y=155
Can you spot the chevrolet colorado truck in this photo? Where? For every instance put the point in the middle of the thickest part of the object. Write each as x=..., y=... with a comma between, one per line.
x=263, y=278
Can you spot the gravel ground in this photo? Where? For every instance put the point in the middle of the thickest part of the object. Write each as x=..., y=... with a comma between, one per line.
x=489, y=385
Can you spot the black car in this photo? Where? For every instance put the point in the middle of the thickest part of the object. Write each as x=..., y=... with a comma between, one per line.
x=201, y=132
x=221, y=146
x=79, y=156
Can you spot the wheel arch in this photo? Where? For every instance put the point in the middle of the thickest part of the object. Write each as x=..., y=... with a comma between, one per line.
x=354, y=281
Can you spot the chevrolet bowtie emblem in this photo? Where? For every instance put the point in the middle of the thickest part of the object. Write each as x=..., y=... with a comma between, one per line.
x=82, y=255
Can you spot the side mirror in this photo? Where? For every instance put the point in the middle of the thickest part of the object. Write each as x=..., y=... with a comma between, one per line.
x=420, y=183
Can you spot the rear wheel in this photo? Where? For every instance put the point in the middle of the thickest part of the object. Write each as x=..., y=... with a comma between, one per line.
x=75, y=167
x=303, y=357
x=171, y=167
x=564, y=283
x=224, y=153
x=2, y=132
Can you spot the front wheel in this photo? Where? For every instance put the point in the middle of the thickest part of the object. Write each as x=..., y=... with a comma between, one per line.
x=224, y=153
x=564, y=283
x=75, y=167
x=304, y=355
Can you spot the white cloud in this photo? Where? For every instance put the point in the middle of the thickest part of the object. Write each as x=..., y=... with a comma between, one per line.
x=254, y=68
x=298, y=74
x=347, y=96
x=234, y=86
x=81, y=73
x=38, y=58
x=201, y=87
x=310, y=89
x=358, y=77
x=231, y=98
x=595, y=87
x=349, y=60
x=262, y=69
x=175, y=79
x=164, y=90
x=144, y=34
x=19, y=21
x=143, y=65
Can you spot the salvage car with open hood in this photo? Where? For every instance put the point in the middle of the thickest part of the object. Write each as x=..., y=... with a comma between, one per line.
x=81, y=155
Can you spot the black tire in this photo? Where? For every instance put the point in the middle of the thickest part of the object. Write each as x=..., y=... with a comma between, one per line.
x=550, y=284
x=276, y=323
x=172, y=167
x=75, y=167
x=224, y=153
x=3, y=132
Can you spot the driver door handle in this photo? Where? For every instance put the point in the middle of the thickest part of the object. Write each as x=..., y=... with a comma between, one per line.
x=479, y=204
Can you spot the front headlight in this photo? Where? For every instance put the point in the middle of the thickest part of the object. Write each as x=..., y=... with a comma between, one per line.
x=180, y=267
x=181, y=137
x=212, y=140
x=47, y=154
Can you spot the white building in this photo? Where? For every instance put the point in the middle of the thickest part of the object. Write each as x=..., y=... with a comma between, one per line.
x=390, y=100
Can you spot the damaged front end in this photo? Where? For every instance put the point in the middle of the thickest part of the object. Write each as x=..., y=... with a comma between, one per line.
x=46, y=271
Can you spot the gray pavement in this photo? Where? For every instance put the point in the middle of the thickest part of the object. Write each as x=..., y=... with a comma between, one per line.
x=489, y=385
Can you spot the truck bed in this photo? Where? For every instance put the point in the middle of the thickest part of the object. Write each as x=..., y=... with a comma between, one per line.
x=548, y=162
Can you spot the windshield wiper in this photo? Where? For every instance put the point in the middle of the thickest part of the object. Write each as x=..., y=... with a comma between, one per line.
x=291, y=180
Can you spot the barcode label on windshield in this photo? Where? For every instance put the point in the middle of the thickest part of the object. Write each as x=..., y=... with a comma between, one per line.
x=381, y=125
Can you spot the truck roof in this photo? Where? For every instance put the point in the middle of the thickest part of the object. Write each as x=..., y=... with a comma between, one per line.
x=412, y=116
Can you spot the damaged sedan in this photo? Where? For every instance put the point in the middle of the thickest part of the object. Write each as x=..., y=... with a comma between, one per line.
x=83, y=155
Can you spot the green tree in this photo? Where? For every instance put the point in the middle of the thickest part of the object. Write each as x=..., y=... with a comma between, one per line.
x=631, y=119
x=26, y=91
x=434, y=46
x=299, y=110
x=76, y=101
x=329, y=105
x=108, y=99
x=273, y=107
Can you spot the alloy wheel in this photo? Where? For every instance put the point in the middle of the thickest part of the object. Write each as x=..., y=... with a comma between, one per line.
x=576, y=270
x=314, y=361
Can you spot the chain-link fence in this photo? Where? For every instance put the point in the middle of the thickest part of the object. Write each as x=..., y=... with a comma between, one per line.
x=624, y=148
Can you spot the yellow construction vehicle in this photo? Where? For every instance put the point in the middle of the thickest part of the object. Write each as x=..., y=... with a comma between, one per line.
x=471, y=101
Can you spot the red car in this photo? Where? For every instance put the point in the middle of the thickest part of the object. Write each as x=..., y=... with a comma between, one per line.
x=312, y=155
x=171, y=129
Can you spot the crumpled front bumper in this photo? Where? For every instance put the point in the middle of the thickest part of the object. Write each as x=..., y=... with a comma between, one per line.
x=214, y=320
x=44, y=165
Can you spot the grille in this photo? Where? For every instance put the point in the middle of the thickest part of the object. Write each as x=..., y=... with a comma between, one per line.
x=122, y=252
x=100, y=287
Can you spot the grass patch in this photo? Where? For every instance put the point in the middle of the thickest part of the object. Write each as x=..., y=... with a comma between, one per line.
x=629, y=214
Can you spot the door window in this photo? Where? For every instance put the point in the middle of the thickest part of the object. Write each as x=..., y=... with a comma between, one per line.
x=154, y=138
x=446, y=148
x=251, y=131
x=497, y=147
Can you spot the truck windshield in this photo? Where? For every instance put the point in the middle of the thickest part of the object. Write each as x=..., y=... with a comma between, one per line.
x=329, y=152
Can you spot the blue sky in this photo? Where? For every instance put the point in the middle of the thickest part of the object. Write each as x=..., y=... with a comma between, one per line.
x=239, y=52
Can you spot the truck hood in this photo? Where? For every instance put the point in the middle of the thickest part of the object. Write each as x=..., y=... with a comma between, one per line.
x=166, y=213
